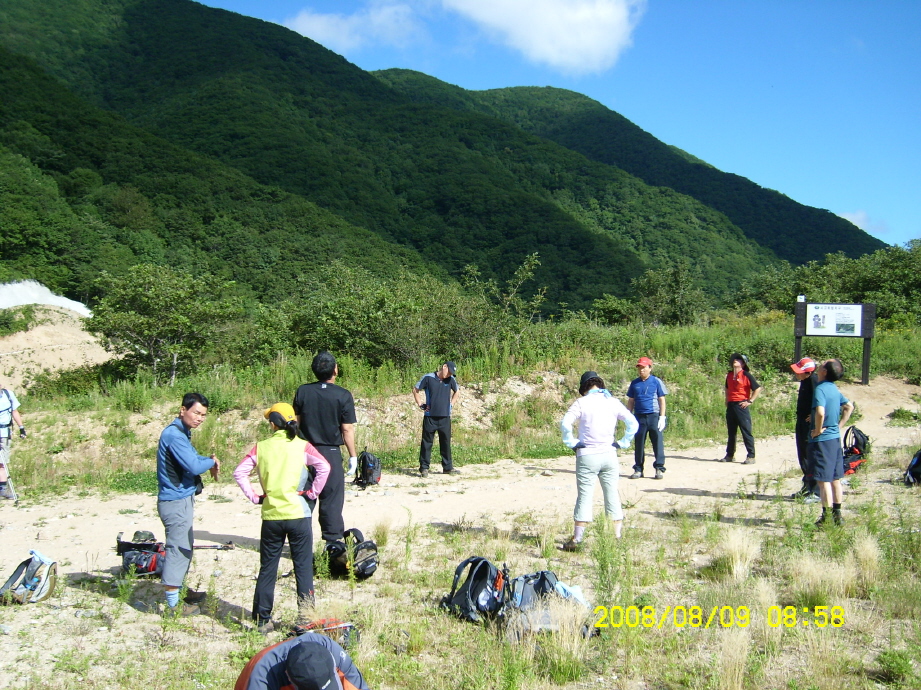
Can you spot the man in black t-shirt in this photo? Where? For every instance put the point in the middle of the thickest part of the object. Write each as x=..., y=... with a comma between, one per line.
x=804, y=370
x=326, y=415
x=440, y=389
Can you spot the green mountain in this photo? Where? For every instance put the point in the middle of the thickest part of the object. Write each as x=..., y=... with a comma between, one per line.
x=581, y=124
x=82, y=191
x=452, y=176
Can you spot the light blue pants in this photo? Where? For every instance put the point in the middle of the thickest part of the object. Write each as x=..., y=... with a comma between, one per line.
x=605, y=467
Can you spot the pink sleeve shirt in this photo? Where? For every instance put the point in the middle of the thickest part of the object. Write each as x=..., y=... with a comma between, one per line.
x=312, y=458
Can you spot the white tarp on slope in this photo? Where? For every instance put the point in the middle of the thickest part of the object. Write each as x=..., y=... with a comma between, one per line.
x=32, y=292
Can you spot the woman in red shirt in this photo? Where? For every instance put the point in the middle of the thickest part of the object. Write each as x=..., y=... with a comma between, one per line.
x=741, y=391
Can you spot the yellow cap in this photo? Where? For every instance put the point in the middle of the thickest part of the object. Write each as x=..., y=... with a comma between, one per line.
x=284, y=409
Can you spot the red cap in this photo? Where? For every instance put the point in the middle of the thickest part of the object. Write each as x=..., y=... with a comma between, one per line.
x=644, y=362
x=804, y=366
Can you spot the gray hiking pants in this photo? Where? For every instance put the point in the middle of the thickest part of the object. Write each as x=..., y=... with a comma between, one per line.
x=177, y=517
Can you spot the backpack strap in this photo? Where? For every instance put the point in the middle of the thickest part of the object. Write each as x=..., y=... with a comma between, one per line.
x=459, y=571
x=16, y=576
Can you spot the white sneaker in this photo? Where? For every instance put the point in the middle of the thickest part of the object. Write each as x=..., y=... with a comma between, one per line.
x=811, y=498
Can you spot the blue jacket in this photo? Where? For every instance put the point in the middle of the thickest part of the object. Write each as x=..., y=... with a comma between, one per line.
x=178, y=463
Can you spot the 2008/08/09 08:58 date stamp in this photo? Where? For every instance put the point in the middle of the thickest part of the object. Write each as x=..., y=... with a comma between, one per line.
x=717, y=616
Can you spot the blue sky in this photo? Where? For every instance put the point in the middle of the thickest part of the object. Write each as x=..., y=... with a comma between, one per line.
x=818, y=99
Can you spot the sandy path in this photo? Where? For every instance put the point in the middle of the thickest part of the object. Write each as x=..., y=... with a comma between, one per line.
x=83, y=529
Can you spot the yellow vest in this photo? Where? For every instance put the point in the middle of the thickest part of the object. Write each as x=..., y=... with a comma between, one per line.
x=282, y=473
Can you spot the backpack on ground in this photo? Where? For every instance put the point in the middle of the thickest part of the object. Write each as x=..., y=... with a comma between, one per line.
x=482, y=594
x=33, y=581
x=913, y=473
x=856, y=448
x=143, y=553
x=345, y=633
x=368, y=472
x=355, y=554
x=535, y=603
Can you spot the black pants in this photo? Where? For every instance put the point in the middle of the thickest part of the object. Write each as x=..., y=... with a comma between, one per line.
x=332, y=498
x=739, y=419
x=430, y=425
x=802, y=443
x=649, y=424
x=299, y=533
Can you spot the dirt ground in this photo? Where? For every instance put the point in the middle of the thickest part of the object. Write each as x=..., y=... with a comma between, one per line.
x=80, y=531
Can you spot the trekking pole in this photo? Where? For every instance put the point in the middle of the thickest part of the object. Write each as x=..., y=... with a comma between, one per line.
x=229, y=546
x=9, y=485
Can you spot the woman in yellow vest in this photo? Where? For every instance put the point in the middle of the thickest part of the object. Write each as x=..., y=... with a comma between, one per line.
x=288, y=497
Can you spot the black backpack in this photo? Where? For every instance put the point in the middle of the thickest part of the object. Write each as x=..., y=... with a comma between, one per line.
x=368, y=472
x=856, y=448
x=481, y=596
x=363, y=553
x=913, y=473
x=143, y=553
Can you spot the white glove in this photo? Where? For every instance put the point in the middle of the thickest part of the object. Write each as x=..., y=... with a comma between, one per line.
x=353, y=464
x=661, y=425
x=624, y=442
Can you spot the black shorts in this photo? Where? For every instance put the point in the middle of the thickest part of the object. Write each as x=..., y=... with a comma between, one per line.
x=826, y=459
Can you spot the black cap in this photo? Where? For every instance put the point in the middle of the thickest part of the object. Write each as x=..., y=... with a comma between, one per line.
x=451, y=367
x=586, y=376
x=742, y=358
x=311, y=666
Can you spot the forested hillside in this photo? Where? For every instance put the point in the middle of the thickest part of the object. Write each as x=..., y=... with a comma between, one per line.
x=768, y=217
x=82, y=191
x=458, y=187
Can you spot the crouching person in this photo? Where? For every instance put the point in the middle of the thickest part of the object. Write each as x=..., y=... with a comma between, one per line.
x=282, y=462
x=308, y=662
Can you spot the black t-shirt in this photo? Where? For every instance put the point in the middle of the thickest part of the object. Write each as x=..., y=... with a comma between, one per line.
x=323, y=408
x=804, y=398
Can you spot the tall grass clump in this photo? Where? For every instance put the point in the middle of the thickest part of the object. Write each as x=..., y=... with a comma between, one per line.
x=737, y=553
x=818, y=581
x=733, y=659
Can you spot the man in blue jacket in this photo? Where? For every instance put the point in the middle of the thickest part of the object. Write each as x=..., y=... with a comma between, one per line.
x=307, y=662
x=178, y=468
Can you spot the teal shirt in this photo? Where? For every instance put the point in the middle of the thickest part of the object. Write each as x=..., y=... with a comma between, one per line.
x=827, y=395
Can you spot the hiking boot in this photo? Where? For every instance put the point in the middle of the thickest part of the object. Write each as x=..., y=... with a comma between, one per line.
x=726, y=458
x=423, y=473
x=453, y=470
x=266, y=627
x=823, y=520
x=811, y=498
x=7, y=492
x=836, y=518
x=636, y=475
x=193, y=597
x=660, y=474
x=750, y=460
x=182, y=610
x=572, y=545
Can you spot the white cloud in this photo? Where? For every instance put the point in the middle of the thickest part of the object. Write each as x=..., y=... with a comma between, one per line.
x=574, y=36
x=863, y=221
x=385, y=23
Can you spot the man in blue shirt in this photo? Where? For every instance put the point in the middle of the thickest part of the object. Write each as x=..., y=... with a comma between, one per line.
x=178, y=467
x=830, y=411
x=646, y=400
x=440, y=389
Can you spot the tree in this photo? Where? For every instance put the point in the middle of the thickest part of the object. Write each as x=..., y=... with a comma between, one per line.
x=155, y=316
x=668, y=295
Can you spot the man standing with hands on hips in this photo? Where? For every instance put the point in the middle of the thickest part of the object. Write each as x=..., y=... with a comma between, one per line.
x=178, y=468
x=646, y=400
x=440, y=389
x=326, y=415
x=741, y=391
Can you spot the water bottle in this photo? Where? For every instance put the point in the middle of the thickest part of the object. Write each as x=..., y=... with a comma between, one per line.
x=33, y=583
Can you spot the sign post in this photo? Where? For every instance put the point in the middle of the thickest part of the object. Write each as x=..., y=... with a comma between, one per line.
x=835, y=321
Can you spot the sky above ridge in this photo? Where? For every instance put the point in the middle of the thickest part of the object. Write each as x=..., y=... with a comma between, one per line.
x=817, y=99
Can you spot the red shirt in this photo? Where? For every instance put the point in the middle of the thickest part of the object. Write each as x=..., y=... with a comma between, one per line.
x=739, y=389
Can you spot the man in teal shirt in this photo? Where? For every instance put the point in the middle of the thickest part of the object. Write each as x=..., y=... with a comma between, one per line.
x=830, y=411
